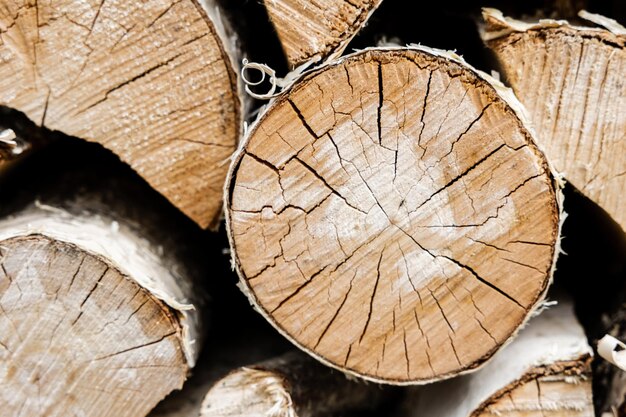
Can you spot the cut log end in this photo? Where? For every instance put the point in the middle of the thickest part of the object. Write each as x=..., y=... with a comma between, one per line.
x=151, y=82
x=290, y=385
x=249, y=392
x=562, y=389
x=392, y=216
x=570, y=79
x=311, y=31
x=79, y=337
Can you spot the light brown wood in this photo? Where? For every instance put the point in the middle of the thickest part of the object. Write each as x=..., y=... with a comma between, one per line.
x=314, y=30
x=97, y=318
x=545, y=372
x=151, y=81
x=392, y=216
x=289, y=386
x=571, y=81
x=79, y=337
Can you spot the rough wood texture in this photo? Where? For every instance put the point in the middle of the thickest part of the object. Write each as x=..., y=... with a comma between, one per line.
x=571, y=81
x=95, y=298
x=151, y=81
x=289, y=386
x=79, y=337
x=544, y=372
x=391, y=215
x=315, y=30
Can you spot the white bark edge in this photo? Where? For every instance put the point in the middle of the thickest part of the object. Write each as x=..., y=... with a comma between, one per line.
x=509, y=98
x=130, y=254
x=554, y=336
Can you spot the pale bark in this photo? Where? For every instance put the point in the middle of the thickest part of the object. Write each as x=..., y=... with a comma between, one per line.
x=570, y=79
x=392, y=216
x=544, y=372
x=97, y=316
x=151, y=81
x=320, y=29
x=291, y=385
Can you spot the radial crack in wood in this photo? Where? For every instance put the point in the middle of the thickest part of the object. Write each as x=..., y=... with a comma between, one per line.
x=571, y=81
x=97, y=316
x=544, y=372
x=392, y=216
x=293, y=385
x=320, y=29
x=152, y=81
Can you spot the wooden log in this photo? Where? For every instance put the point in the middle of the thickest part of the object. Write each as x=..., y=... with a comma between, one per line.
x=151, y=81
x=97, y=317
x=391, y=215
x=243, y=337
x=544, y=372
x=570, y=79
x=316, y=30
x=291, y=385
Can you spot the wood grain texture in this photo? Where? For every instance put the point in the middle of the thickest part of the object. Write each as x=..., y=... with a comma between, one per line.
x=571, y=81
x=78, y=337
x=314, y=30
x=544, y=372
x=151, y=81
x=288, y=386
x=100, y=312
x=392, y=216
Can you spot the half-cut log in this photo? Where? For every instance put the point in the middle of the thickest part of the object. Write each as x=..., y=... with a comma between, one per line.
x=571, y=81
x=544, y=372
x=315, y=30
x=392, y=215
x=152, y=81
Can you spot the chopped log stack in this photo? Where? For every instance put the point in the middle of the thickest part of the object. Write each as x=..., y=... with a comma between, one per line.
x=394, y=213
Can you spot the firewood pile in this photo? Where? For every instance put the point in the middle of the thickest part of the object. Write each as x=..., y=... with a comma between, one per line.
x=320, y=208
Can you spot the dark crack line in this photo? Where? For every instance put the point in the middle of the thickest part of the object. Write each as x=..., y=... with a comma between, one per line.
x=154, y=342
x=297, y=291
x=524, y=265
x=76, y=273
x=424, y=107
x=95, y=286
x=135, y=78
x=380, y=102
x=481, y=279
x=332, y=320
x=463, y=174
x=371, y=307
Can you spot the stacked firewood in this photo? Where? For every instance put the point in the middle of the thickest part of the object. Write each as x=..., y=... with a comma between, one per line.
x=196, y=223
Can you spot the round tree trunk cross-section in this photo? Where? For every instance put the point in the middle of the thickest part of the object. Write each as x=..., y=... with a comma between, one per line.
x=150, y=80
x=393, y=217
x=78, y=337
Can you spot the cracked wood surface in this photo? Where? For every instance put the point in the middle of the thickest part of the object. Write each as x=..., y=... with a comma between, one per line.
x=391, y=215
x=288, y=386
x=544, y=372
x=315, y=30
x=151, y=81
x=78, y=337
x=100, y=312
x=571, y=81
